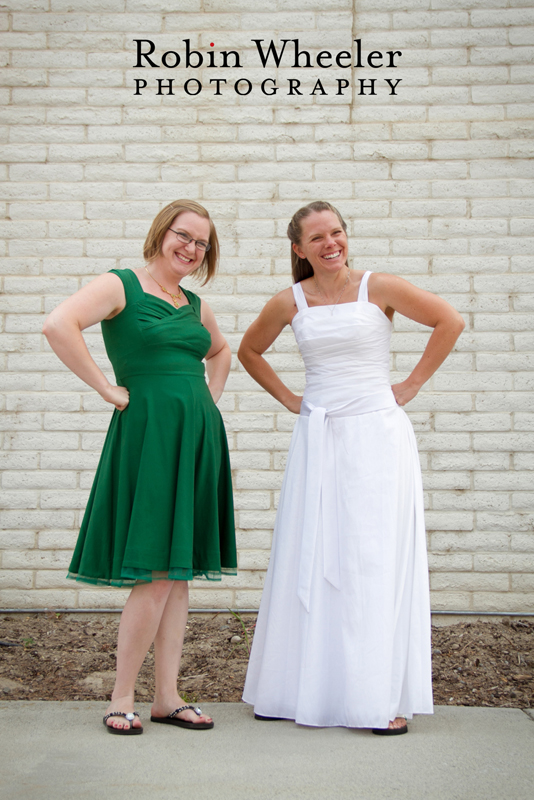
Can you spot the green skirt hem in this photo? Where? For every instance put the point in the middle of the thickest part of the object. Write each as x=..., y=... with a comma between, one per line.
x=147, y=576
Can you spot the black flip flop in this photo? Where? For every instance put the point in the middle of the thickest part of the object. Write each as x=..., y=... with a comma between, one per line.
x=390, y=731
x=131, y=731
x=172, y=719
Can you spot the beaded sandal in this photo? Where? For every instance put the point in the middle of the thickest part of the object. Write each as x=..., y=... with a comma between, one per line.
x=131, y=731
x=172, y=719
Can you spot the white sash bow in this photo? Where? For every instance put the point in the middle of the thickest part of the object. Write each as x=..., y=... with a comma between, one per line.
x=318, y=494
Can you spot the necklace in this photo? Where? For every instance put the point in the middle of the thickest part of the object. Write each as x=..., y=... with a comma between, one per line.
x=174, y=297
x=339, y=295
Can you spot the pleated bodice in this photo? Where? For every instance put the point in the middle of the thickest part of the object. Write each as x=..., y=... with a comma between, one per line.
x=345, y=348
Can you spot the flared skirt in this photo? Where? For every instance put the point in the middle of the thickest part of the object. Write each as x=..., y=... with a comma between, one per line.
x=161, y=502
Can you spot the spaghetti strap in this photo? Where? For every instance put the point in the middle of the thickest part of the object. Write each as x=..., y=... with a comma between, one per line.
x=298, y=294
x=363, y=295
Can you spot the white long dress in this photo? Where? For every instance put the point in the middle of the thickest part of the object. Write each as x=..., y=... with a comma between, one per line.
x=343, y=631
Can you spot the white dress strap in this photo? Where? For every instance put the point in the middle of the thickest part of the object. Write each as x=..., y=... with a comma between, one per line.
x=363, y=294
x=298, y=294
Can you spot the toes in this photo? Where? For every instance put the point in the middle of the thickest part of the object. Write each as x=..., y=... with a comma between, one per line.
x=120, y=723
x=190, y=716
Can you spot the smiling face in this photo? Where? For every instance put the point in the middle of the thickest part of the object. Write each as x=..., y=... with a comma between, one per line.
x=323, y=242
x=177, y=257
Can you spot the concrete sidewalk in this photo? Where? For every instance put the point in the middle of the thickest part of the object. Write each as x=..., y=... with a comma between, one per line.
x=61, y=750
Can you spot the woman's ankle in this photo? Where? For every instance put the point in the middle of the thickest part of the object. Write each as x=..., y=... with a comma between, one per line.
x=122, y=695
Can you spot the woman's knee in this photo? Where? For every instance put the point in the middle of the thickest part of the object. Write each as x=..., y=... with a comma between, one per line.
x=158, y=591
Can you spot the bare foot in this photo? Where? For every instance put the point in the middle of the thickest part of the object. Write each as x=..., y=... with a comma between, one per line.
x=163, y=707
x=125, y=705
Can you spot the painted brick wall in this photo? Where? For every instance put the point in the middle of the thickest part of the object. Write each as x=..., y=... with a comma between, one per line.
x=436, y=183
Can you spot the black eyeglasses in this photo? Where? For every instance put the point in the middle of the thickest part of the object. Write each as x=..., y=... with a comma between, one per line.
x=186, y=239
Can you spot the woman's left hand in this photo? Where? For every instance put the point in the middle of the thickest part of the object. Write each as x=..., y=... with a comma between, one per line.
x=404, y=392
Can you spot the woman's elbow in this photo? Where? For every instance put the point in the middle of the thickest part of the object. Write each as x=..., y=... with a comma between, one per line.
x=246, y=355
x=458, y=323
x=455, y=325
x=49, y=326
x=242, y=354
x=57, y=327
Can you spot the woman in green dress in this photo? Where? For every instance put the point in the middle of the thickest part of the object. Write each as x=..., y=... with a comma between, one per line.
x=160, y=511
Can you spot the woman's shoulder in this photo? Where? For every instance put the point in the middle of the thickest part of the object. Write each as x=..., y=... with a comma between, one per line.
x=284, y=296
x=283, y=301
x=126, y=284
x=191, y=293
x=109, y=283
x=383, y=279
x=281, y=308
x=195, y=301
x=127, y=276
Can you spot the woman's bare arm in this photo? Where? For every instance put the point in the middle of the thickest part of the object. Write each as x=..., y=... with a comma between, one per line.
x=219, y=356
x=278, y=313
x=101, y=299
x=391, y=292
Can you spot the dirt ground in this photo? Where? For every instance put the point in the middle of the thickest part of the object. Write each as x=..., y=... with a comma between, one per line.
x=58, y=657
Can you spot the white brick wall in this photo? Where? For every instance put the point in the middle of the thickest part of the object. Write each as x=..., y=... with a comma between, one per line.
x=435, y=183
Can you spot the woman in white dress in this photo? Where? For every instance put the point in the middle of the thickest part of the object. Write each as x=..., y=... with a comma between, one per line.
x=343, y=632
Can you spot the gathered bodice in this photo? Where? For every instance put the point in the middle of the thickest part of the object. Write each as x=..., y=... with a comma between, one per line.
x=152, y=337
x=345, y=348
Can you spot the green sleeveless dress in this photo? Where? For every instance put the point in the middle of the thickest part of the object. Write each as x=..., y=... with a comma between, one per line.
x=161, y=502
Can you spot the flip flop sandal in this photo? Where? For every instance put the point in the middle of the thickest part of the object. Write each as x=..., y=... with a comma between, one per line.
x=131, y=731
x=172, y=719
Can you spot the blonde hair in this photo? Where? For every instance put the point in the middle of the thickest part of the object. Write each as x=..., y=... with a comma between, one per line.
x=301, y=267
x=162, y=223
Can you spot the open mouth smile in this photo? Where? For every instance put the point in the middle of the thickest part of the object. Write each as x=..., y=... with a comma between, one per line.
x=332, y=255
x=183, y=258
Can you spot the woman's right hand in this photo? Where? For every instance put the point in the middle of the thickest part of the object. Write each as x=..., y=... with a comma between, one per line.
x=294, y=404
x=119, y=396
